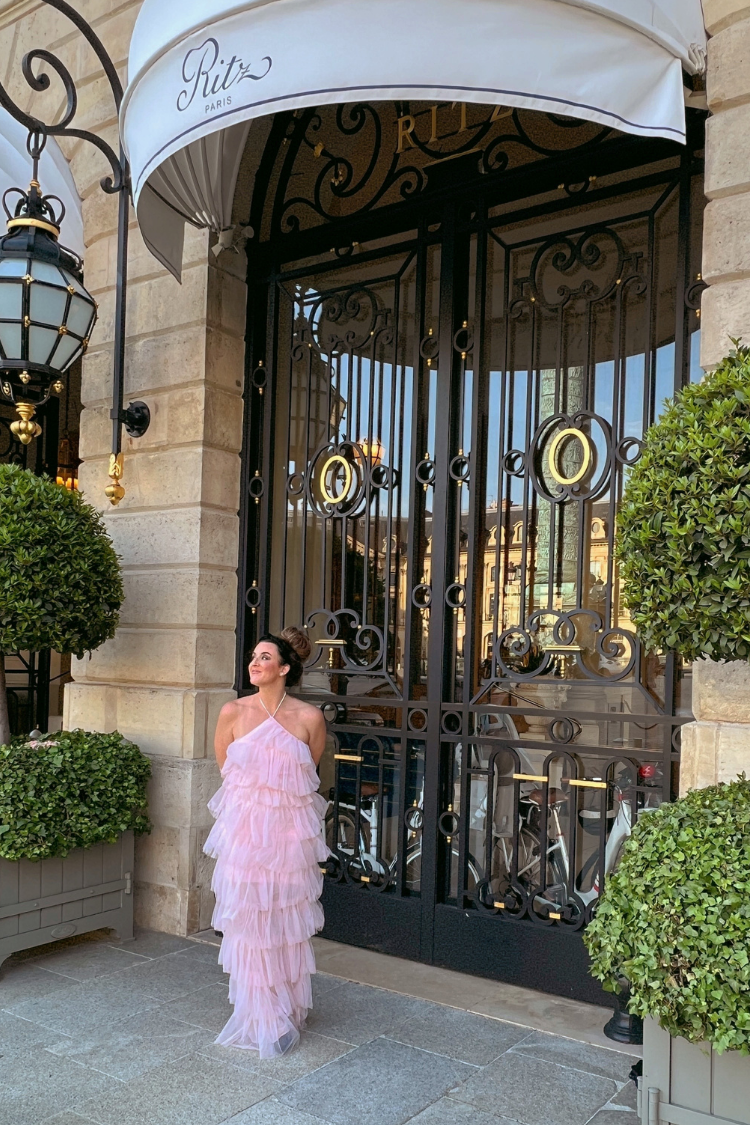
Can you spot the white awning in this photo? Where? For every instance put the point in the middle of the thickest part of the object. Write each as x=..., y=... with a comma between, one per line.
x=54, y=176
x=202, y=70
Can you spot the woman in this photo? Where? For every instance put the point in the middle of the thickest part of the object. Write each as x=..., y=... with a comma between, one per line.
x=268, y=841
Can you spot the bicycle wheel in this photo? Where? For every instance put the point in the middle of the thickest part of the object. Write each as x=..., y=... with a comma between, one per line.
x=527, y=877
x=413, y=873
x=345, y=842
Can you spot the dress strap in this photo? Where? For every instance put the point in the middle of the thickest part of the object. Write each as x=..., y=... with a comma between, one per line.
x=266, y=709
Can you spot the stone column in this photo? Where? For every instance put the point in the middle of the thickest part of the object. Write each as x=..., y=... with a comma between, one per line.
x=716, y=747
x=163, y=678
x=726, y=240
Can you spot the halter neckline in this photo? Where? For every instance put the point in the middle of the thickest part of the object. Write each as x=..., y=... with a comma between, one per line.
x=271, y=716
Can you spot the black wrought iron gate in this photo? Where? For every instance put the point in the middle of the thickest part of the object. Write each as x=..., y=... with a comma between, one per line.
x=441, y=414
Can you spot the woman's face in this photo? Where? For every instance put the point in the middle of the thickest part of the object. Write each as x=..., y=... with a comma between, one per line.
x=265, y=664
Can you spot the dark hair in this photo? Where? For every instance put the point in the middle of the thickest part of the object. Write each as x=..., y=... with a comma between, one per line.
x=294, y=648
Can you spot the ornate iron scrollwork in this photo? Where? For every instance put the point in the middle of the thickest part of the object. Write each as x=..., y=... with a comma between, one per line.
x=351, y=170
x=347, y=319
x=564, y=462
x=358, y=157
x=360, y=647
x=64, y=127
x=576, y=636
x=587, y=268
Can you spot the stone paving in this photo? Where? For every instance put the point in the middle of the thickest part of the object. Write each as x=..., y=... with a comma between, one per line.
x=101, y=1033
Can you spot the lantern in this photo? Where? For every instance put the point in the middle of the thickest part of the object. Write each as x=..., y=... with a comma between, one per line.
x=46, y=314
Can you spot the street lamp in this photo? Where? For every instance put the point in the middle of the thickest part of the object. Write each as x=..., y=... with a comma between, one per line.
x=373, y=450
x=46, y=314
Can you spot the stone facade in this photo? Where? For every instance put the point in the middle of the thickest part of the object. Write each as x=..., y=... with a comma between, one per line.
x=716, y=747
x=162, y=680
x=726, y=242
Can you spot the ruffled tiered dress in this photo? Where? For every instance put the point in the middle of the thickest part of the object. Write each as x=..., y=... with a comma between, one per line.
x=268, y=841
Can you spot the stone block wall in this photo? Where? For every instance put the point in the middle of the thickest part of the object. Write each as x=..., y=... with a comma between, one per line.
x=726, y=238
x=716, y=747
x=164, y=677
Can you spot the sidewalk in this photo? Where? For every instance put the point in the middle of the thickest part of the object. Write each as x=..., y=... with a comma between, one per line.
x=97, y=1033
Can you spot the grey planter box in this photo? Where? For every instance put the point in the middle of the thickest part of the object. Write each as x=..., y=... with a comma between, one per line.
x=44, y=901
x=689, y=1084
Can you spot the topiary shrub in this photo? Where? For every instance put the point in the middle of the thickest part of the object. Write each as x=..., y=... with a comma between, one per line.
x=684, y=526
x=60, y=584
x=674, y=918
x=69, y=790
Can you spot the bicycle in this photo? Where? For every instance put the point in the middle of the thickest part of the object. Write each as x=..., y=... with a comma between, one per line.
x=550, y=884
x=357, y=844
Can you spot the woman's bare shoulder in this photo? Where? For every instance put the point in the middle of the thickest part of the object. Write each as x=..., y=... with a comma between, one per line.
x=236, y=707
x=307, y=712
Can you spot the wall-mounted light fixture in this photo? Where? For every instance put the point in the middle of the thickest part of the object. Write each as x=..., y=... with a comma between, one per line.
x=46, y=314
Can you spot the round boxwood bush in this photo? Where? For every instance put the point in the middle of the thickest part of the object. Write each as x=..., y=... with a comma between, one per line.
x=674, y=918
x=69, y=790
x=60, y=584
x=684, y=526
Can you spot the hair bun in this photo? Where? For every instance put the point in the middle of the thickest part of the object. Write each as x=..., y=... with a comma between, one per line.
x=299, y=641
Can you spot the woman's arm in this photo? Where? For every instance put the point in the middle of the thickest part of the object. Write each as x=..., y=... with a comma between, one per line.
x=318, y=735
x=224, y=735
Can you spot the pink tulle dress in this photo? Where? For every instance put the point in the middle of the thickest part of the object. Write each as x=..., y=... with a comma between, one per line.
x=268, y=841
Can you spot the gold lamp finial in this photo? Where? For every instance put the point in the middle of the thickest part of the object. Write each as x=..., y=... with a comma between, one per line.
x=25, y=430
x=114, y=491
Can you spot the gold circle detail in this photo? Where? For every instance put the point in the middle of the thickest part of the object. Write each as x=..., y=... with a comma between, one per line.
x=557, y=441
x=335, y=459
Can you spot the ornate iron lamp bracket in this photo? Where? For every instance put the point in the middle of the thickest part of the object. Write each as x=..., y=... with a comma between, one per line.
x=136, y=418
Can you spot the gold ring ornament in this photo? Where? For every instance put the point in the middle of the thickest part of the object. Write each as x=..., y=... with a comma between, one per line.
x=554, y=449
x=325, y=492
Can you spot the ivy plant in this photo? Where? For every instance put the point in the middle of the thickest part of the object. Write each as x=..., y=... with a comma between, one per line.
x=684, y=526
x=60, y=585
x=674, y=918
x=69, y=790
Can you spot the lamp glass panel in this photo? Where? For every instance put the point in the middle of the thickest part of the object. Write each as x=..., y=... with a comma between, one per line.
x=70, y=280
x=10, y=340
x=80, y=316
x=41, y=343
x=13, y=267
x=44, y=271
x=11, y=300
x=67, y=349
x=47, y=305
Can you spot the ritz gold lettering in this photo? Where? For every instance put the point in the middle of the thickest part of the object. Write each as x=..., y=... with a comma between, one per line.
x=407, y=124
